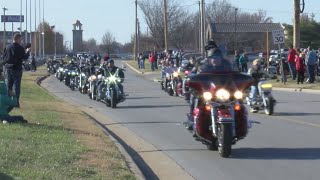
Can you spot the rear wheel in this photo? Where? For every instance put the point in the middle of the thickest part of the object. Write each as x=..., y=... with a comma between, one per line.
x=175, y=88
x=270, y=106
x=225, y=140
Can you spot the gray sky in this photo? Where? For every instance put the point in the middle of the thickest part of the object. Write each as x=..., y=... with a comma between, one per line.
x=117, y=16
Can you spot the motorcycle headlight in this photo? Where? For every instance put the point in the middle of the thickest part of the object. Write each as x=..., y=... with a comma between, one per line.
x=112, y=78
x=82, y=74
x=69, y=73
x=238, y=95
x=223, y=94
x=207, y=96
x=73, y=73
x=175, y=74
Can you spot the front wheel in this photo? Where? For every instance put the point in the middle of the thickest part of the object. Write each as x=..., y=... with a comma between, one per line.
x=270, y=106
x=175, y=88
x=225, y=140
x=113, y=99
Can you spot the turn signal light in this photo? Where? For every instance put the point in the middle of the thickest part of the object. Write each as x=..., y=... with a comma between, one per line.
x=208, y=108
x=237, y=107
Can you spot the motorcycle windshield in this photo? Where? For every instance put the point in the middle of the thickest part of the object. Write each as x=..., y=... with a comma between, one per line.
x=231, y=80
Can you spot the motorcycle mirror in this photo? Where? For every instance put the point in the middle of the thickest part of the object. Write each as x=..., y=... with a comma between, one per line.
x=123, y=66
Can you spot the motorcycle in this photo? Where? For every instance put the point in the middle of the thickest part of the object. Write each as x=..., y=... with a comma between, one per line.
x=81, y=80
x=72, y=74
x=59, y=73
x=185, y=87
x=219, y=118
x=113, y=95
x=264, y=100
x=92, y=87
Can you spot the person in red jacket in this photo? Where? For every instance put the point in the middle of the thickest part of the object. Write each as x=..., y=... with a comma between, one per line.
x=291, y=61
x=300, y=66
x=152, y=61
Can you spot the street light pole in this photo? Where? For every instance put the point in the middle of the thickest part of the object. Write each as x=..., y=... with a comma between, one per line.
x=4, y=27
x=55, y=43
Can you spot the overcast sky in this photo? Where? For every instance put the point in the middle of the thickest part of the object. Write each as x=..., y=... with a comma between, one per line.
x=117, y=16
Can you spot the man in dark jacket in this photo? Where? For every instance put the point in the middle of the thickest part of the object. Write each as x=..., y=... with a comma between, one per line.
x=113, y=70
x=13, y=56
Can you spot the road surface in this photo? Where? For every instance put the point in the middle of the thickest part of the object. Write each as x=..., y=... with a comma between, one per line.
x=283, y=146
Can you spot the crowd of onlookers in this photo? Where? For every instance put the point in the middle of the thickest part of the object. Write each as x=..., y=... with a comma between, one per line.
x=301, y=63
x=156, y=58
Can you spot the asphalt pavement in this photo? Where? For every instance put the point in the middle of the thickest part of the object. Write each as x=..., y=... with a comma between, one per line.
x=283, y=146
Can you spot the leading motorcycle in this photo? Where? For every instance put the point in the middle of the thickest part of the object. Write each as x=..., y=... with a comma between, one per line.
x=219, y=118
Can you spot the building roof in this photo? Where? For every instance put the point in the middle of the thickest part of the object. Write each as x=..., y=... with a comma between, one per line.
x=77, y=23
x=244, y=27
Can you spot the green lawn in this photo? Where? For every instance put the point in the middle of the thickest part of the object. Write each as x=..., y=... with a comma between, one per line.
x=59, y=142
x=293, y=84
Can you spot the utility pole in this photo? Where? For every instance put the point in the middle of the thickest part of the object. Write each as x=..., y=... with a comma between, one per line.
x=30, y=21
x=20, y=16
x=40, y=28
x=26, y=19
x=165, y=26
x=4, y=27
x=136, y=32
x=43, y=28
x=235, y=30
x=202, y=28
x=138, y=37
x=35, y=28
x=296, y=26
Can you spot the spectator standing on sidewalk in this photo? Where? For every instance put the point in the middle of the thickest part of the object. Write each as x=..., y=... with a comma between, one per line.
x=292, y=63
x=311, y=62
x=236, y=60
x=13, y=56
x=152, y=61
x=141, y=62
x=300, y=66
x=243, y=62
x=33, y=63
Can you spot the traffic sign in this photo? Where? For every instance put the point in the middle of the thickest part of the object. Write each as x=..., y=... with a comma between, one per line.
x=278, y=36
x=12, y=18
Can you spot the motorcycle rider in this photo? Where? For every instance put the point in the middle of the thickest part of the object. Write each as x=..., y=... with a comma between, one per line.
x=111, y=71
x=102, y=71
x=257, y=72
x=210, y=72
x=170, y=69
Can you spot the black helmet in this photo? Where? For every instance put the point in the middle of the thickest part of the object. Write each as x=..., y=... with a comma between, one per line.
x=211, y=44
x=111, y=61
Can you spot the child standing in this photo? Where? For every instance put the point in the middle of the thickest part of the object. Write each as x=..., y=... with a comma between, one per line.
x=300, y=66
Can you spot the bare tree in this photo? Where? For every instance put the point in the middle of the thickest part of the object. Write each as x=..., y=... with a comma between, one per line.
x=108, y=41
x=91, y=45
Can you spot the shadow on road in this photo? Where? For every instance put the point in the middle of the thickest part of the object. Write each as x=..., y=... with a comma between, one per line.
x=5, y=177
x=295, y=114
x=277, y=153
x=150, y=106
x=150, y=122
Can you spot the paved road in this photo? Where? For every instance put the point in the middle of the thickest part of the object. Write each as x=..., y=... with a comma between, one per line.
x=283, y=146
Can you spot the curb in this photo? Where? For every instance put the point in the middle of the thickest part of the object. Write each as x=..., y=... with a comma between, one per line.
x=137, y=71
x=130, y=162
